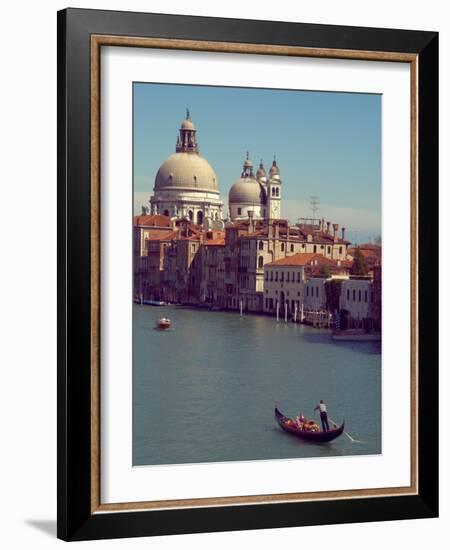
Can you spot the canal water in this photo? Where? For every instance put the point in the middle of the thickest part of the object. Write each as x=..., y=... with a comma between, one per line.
x=204, y=390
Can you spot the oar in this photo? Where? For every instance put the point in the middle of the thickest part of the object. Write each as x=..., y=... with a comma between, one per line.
x=347, y=434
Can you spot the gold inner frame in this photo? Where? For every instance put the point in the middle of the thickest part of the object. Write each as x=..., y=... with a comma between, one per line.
x=97, y=41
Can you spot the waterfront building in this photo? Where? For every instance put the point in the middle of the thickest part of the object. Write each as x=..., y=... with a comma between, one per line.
x=267, y=241
x=297, y=282
x=376, y=296
x=181, y=279
x=356, y=298
x=145, y=277
x=211, y=269
x=186, y=185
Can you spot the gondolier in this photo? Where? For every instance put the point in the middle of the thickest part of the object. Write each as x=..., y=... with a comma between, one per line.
x=323, y=415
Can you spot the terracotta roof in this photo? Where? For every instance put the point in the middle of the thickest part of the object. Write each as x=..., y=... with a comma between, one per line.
x=214, y=242
x=152, y=221
x=161, y=235
x=302, y=259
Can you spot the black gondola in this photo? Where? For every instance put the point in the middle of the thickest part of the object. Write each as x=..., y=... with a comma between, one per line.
x=318, y=437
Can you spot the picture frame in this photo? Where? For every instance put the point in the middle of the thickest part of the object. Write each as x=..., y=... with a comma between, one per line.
x=81, y=35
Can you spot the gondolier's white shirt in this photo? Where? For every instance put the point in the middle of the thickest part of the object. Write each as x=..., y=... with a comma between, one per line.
x=322, y=408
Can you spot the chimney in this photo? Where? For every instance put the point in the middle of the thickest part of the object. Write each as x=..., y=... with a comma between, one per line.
x=328, y=227
x=343, y=233
x=251, y=225
x=335, y=231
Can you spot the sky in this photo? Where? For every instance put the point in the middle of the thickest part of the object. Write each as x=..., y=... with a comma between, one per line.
x=326, y=145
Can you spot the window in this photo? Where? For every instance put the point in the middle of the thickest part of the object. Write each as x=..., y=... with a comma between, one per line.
x=292, y=248
x=365, y=296
x=261, y=245
x=354, y=294
x=307, y=291
x=260, y=262
x=314, y=249
x=287, y=277
x=340, y=250
x=298, y=276
x=239, y=211
x=348, y=294
x=273, y=191
x=329, y=250
x=282, y=276
x=359, y=295
x=303, y=245
x=282, y=247
x=271, y=275
x=317, y=291
x=276, y=275
x=266, y=277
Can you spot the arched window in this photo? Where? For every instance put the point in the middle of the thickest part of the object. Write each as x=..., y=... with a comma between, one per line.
x=199, y=217
x=260, y=262
x=314, y=249
x=282, y=247
x=277, y=191
x=191, y=215
x=166, y=212
x=261, y=245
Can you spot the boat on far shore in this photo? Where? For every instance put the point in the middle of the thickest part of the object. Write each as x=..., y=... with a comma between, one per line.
x=356, y=335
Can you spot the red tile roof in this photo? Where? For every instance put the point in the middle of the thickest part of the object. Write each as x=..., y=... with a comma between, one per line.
x=302, y=259
x=152, y=221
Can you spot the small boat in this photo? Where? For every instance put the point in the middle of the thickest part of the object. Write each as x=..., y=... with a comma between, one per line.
x=317, y=437
x=163, y=323
x=356, y=335
x=153, y=303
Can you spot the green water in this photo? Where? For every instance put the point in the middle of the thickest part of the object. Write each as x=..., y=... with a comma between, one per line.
x=204, y=390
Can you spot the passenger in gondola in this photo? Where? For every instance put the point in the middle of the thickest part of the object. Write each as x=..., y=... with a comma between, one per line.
x=300, y=421
x=323, y=415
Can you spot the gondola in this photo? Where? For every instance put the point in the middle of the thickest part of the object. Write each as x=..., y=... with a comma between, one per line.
x=318, y=437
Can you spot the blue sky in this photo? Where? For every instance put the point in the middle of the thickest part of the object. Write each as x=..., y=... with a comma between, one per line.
x=326, y=144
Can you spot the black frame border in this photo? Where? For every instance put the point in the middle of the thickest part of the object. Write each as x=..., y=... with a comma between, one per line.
x=75, y=521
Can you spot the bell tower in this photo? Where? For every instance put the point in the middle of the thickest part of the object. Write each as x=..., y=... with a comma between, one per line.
x=187, y=141
x=274, y=192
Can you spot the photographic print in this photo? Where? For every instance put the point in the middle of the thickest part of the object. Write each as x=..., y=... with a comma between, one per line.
x=257, y=274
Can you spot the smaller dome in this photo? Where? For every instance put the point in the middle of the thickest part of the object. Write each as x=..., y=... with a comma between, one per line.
x=246, y=191
x=274, y=170
x=187, y=124
x=260, y=173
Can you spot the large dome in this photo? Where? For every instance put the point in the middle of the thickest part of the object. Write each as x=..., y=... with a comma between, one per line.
x=188, y=170
x=246, y=191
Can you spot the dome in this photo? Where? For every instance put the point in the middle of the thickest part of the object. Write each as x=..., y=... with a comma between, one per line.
x=187, y=124
x=274, y=170
x=246, y=191
x=260, y=173
x=186, y=170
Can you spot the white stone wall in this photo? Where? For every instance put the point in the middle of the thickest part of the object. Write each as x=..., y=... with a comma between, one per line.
x=279, y=287
x=179, y=202
x=239, y=211
x=356, y=297
x=315, y=296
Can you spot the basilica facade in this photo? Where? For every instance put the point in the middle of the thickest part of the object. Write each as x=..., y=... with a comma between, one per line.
x=186, y=185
